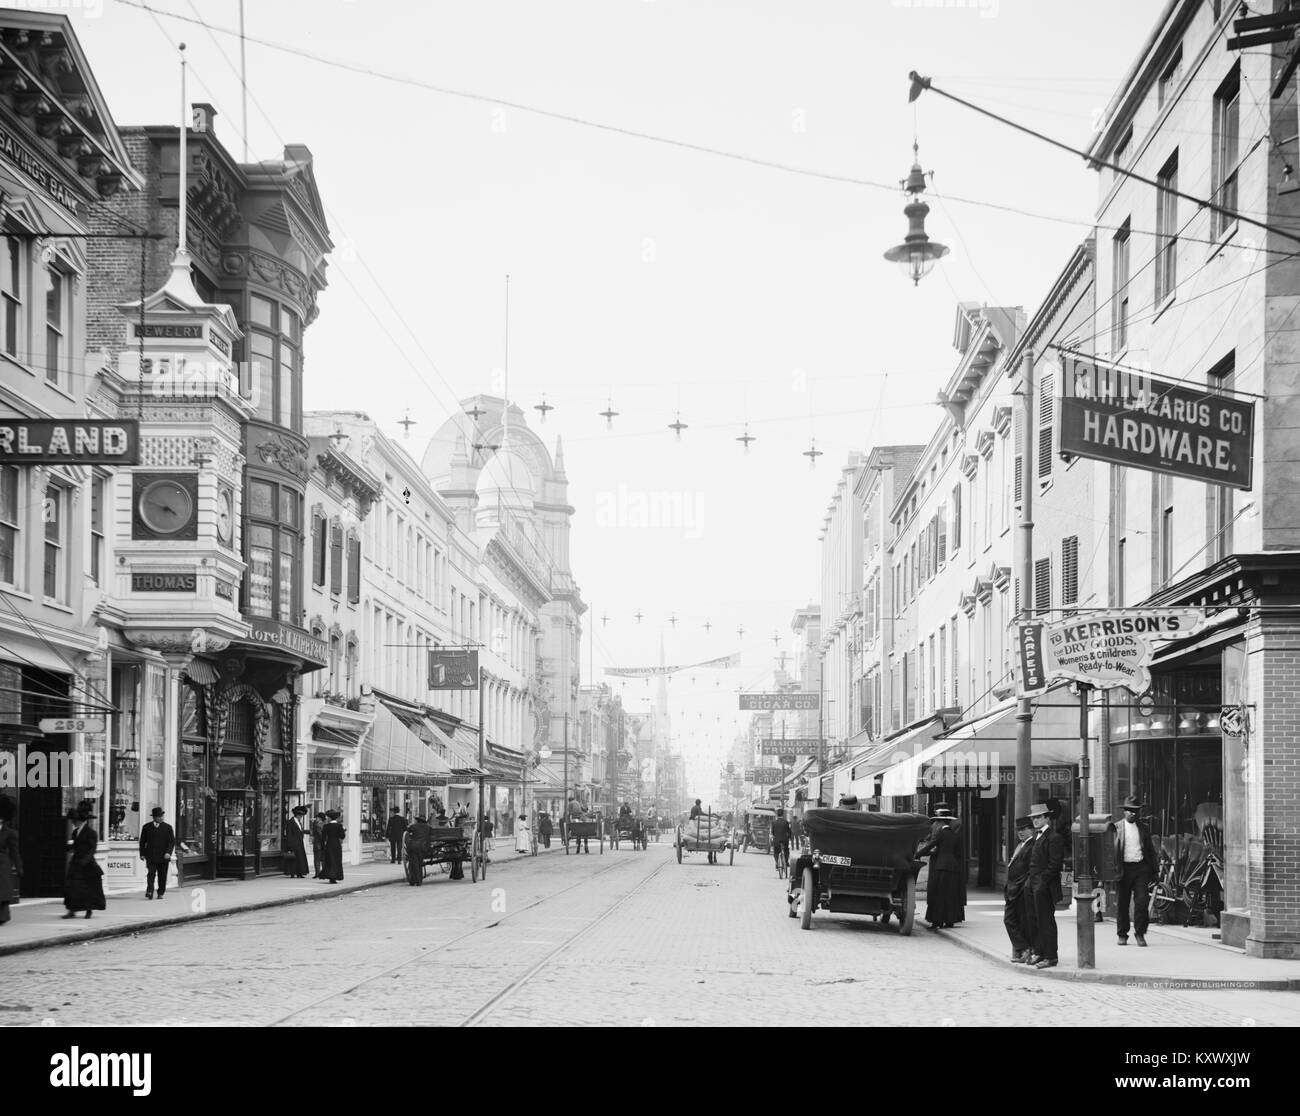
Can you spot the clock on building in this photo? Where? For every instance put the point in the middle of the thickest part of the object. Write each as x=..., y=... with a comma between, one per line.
x=164, y=506
x=225, y=515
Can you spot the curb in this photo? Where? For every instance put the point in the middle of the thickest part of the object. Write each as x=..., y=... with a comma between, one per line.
x=1144, y=980
x=98, y=934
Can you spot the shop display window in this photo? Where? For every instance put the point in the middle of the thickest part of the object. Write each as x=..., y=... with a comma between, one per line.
x=123, y=820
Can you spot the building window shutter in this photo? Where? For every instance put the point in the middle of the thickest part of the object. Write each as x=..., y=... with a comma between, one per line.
x=1019, y=439
x=1043, y=585
x=1017, y=596
x=1046, y=406
x=318, y=550
x=336, y=558
x=1070, y=570
x=956, y=517
x=354, y=569
x=943, y=533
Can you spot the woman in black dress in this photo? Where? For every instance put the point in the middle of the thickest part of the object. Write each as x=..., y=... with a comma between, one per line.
x=295, y=859
x=332, y=862
x=83, y=887
x=945, y=903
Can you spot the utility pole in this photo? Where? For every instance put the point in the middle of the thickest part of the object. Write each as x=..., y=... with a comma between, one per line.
x=564, y=818
x=821, y=722
x=1025, y=545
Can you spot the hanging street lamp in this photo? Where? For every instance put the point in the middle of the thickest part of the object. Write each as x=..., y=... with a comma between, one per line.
x=918, y=253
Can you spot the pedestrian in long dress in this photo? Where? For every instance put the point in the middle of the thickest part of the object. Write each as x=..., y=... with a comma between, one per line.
x=11, y=862
x=521, y=833
x=943, y=893
x=83, y=887
x=333, y=834
x=295, y=861
x=318, y=844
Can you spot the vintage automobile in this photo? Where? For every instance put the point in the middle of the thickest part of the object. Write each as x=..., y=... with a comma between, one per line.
x=857, y=863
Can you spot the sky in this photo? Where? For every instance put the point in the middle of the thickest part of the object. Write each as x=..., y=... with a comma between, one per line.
x=670, y=281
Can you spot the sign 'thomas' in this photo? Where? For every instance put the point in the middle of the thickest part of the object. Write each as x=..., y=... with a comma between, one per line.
x=1105, y=649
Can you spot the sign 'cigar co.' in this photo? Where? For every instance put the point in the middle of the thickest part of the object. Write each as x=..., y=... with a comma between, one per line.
x=1131, y=418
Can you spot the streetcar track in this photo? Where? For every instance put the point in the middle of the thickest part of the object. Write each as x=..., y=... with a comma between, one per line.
x=431, y=951
x=510, y=989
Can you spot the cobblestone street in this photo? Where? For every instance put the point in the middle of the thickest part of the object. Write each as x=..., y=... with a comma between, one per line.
x=623, y=938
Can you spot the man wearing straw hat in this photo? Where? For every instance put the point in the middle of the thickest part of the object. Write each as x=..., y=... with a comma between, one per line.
x=1017, y=916
x=1135, y=864
x=1046, y=856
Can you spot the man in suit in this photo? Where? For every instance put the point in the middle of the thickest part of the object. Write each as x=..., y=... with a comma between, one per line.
x=1017, y=915
x=396, y=827
x=1046, y=856
x=156, y=843
x=1135, y=865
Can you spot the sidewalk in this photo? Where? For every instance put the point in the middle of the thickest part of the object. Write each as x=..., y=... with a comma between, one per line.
x=36, y=923
x=1175, y=957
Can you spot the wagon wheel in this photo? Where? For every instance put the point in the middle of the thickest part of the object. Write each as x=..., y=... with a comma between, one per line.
x=908, y=916
x=809, y=898
x=480, y=856
x=413, y=870
x=731, y=857
x=566, y=842
x=679, y=846
x=1162, y=903
x=602, y=843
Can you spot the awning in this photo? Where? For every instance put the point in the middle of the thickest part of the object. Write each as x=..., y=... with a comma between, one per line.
x=897, y=750
x=329, y=734
x=392, y=748
x=909, y=752
x=973, y=755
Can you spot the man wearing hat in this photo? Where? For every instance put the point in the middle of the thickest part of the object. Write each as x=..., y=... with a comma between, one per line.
x=1135, y=865
x=1018, y=914
x=295, y=861
x=156, y=843
x=1046, y=856
x=396, y=827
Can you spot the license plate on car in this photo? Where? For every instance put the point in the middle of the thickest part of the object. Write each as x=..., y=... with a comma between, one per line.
x=845, y=860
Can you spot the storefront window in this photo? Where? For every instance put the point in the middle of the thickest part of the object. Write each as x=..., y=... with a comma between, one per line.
x=191, y=774
x=154, y=743
x=269, y=786
x=123, y=822
x=1172, y=758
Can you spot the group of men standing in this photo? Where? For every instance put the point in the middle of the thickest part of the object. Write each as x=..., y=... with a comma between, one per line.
x=1033, y=886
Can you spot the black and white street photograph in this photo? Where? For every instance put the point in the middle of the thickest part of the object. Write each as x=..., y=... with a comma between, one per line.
x=695, y=514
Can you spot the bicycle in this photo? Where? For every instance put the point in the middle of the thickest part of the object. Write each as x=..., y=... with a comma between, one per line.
x=782, y=857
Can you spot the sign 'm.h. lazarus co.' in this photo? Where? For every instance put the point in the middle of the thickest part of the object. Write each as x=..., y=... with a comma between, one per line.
x=1131, y=418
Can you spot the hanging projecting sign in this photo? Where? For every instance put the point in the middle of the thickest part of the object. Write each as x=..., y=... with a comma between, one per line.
x=453, y=670
x=766, y=776
x=69, y=442
x=1106, y=650
x=779, y=701
x=1130, y=418
x=803, y=745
